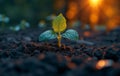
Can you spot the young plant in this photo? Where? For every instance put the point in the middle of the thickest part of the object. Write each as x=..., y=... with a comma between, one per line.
x=4, y=19
x=15, y=28
x=42, y=24
x=59, y=26
x=24, y=24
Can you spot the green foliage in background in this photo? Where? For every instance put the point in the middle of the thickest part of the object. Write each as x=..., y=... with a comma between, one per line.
x=31, y=10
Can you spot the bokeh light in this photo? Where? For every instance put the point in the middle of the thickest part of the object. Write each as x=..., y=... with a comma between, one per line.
x=95, y=3
x=72, y=11
x=94, y=13
x=104, y=63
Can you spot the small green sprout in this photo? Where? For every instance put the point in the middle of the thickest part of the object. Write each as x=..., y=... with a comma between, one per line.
x=15, y=28
x=24, y=24
x=59, y=26
x=42, y=24
x=4, y=19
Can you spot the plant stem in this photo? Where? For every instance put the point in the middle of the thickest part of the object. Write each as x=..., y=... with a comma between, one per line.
x=59, y=40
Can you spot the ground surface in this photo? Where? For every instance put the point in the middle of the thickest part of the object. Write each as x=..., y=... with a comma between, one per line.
x=21, y=54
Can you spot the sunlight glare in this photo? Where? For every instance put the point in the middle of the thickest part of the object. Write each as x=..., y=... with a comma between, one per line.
x=95, y=3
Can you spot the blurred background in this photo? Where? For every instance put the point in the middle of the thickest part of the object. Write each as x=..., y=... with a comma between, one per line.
x=30, y=10
x=81, y=13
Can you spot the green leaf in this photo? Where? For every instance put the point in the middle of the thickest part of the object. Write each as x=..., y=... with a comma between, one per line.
x=47, y=35
x=59, y=23
x=71, y=34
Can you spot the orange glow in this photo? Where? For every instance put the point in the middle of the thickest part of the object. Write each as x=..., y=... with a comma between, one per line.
x=101, y=64
x=109, y=12
x=87, y=33
x=94, y=13
x=72, y=11
x=93, y=18
x=70, y=15
x=71, y=65
x=94, y=3
x=112, y=24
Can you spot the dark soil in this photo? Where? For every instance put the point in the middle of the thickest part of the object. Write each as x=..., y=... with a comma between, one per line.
x=21, y=54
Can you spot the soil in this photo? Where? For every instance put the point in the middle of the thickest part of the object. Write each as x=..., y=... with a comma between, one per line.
x=21, y=54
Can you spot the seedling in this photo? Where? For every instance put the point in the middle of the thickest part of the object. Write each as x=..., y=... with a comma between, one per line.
x=42, y=24
x=15, y=28
x=24, y=24
x=4, y=19
x=59, y=26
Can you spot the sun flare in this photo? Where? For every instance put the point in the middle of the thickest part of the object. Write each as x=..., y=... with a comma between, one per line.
x=95, y=3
